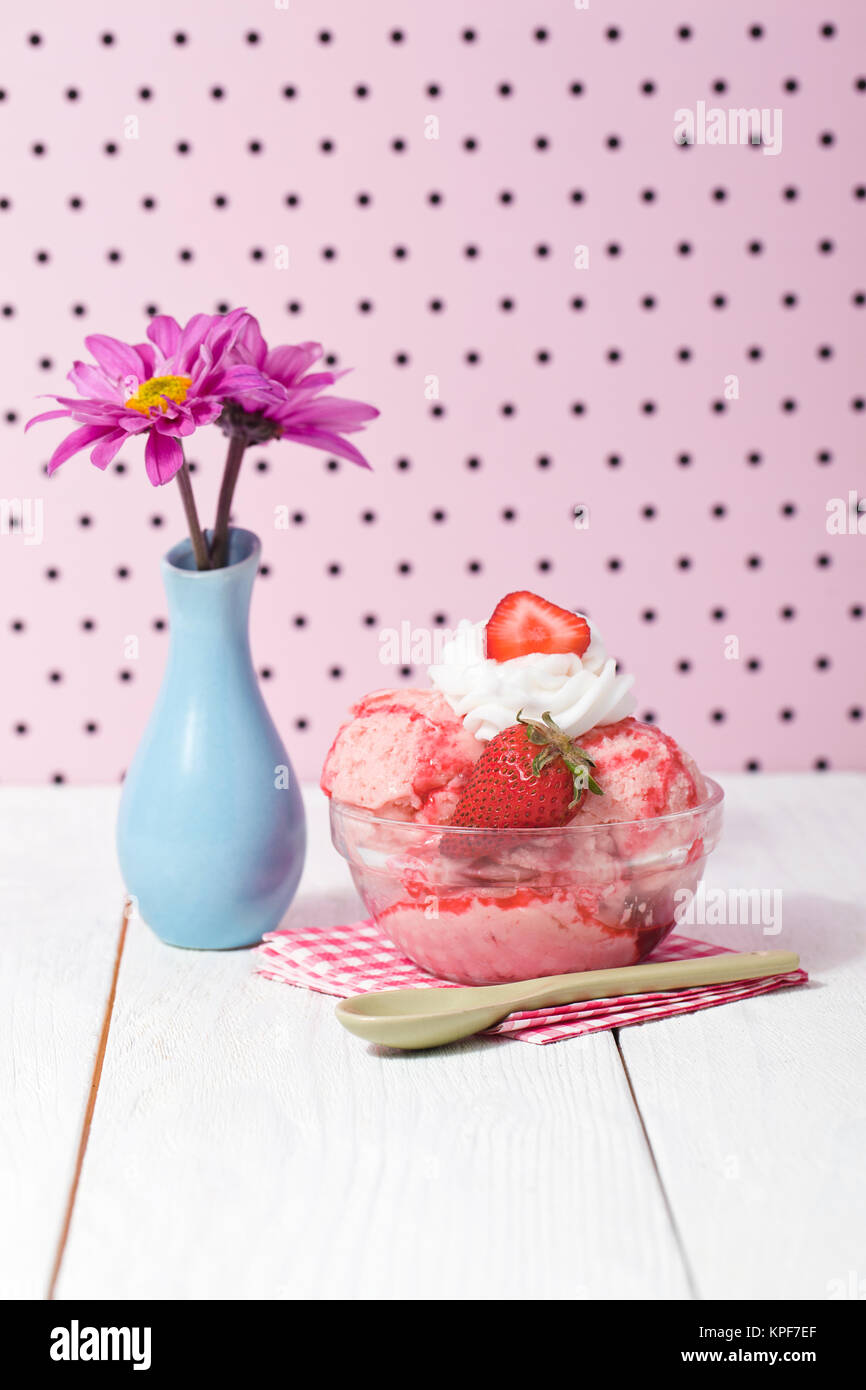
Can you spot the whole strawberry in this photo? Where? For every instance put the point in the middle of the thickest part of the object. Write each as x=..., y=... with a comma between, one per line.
x=530, y=775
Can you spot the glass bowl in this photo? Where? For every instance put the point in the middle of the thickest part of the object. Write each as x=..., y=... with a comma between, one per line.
x=489, y=906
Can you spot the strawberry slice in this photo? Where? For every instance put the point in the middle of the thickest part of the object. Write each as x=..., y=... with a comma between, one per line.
x=522, y=623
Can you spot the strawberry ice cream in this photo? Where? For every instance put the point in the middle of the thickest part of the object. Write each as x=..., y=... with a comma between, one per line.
x=644, y=773
x=474, y=849
x=402, y=755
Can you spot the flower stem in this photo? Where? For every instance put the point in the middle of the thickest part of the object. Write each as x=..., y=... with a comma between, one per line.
x=234, y=459
x=199, y=545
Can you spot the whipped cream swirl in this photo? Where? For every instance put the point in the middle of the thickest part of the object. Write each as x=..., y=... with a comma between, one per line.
x=579, y=692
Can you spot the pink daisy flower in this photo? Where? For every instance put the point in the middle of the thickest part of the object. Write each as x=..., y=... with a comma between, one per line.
x=165, y=388
x=273, y=394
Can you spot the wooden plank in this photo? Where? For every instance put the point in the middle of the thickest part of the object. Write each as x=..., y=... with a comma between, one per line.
x=756, y=1111
x=60, y=909
x=244, y=1146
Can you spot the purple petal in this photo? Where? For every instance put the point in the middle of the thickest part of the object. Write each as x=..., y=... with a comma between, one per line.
x=72, y=444
x=46, y=415
x=92, y=381
x=312, y=384
x=89, y=412
x=288, y=363
x=243, y=377
x=240, y=337
x=178, y=424
x=317, y=381
x=192, y=336
x=165, y=332
x=204, y=412
x=248, y=388
x=118, y=359
x=331, y=443
x=251, y=342
x=334, y=411
x=107, y=447
x=132, y=422
x=147, y=353
x=110, y=414
x=163, y=457
x=207, y=376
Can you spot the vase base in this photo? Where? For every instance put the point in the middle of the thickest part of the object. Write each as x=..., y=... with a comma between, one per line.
x=198, y=946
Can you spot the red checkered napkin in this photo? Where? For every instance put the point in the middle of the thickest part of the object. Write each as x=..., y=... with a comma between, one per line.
x=358, y=957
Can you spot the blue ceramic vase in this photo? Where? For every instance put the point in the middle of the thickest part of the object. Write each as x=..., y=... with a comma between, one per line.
x=211, y=832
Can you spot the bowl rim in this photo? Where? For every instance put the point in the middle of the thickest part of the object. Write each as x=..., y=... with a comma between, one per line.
x=358, y=813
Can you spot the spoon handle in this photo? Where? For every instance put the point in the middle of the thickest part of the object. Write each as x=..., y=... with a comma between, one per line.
x=661, y=975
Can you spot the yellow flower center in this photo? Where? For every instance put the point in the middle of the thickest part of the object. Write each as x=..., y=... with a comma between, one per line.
x=152, y=393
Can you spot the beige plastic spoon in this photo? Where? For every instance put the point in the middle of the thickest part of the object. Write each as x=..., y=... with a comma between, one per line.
x=414, y=1018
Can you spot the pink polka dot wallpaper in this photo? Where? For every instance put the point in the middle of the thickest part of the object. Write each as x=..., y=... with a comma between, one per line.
x=616, y=343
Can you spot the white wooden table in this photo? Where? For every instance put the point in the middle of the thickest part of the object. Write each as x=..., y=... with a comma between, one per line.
x=241, y=1145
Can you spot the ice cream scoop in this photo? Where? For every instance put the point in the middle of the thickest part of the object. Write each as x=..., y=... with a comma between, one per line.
x=419, y=1018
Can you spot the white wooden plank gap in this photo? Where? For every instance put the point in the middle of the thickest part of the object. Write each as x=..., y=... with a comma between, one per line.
x=91, y=1101
x=672, y=1221
x=59, y=904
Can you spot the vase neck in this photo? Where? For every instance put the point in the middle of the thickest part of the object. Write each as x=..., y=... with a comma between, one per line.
x=209, y=609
